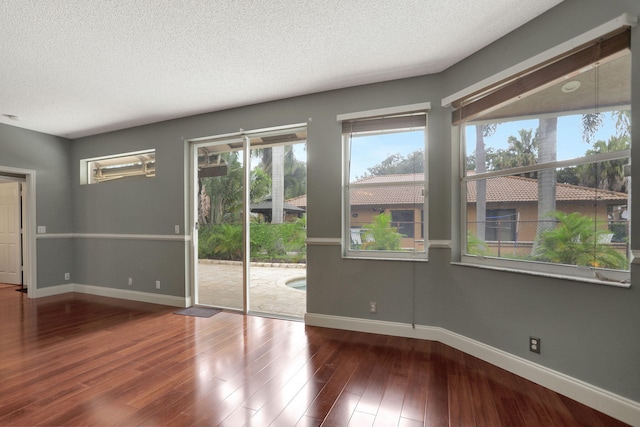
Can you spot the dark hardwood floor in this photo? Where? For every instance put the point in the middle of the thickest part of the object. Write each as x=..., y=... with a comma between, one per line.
x=85, y=360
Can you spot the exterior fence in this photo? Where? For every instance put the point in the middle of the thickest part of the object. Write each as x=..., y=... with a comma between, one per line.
x=503, y=236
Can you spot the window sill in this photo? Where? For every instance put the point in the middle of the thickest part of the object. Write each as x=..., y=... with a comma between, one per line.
x=383, y=258
x=543, y=274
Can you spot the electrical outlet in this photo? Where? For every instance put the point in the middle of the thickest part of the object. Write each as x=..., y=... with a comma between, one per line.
x=534, y=344
x=176, y=229
x=157, y=284
x=67, y=276
x=130, y=281
x=373, y=307
x=42, y=229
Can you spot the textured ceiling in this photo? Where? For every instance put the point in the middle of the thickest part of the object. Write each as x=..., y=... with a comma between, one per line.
x=76, y=67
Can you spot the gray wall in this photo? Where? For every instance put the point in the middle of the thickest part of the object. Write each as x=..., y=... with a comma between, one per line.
x=588, y=331
x=154, y=206
x=49, y=156
x=133, y=207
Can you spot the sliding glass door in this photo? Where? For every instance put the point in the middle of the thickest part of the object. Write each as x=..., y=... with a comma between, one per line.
x=250, y=215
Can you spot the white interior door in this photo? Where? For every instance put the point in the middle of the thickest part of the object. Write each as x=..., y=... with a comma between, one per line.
x=10, y=247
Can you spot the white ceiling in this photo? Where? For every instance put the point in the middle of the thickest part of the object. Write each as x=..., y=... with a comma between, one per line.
x=76, y=67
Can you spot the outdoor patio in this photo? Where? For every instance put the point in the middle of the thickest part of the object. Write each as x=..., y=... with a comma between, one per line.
x=220, y=285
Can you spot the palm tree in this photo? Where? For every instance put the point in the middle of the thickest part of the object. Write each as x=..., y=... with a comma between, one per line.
x=225, y=241
x=225, y=192
x=295, y=178
x=221, y=196
x=275, y=160
x=521, y=152
x=608, y=175
x=277, y=184
x=547, y=136
x=576, y=241
x=623, y=122
x=381, y=235
x=591, y=122
x=482, y=131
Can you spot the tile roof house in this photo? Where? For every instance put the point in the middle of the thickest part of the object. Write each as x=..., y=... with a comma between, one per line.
x=504, y=189
x=511, y=199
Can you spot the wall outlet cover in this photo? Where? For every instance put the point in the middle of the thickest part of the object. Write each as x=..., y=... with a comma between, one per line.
x=534, y=344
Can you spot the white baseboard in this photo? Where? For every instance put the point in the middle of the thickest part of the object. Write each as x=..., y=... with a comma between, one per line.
x=54, y=290
x=115, y=293
x=616, y=406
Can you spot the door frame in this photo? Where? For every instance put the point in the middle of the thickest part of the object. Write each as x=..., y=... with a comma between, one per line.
x=194, y=145
x=191, y=149
x=29, y=262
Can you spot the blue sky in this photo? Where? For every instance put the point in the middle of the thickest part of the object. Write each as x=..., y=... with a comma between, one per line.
x=368, y=151
x=300, y=152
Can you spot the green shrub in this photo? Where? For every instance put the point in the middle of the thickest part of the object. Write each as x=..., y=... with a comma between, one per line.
x=576, y=241
x=476, y=246
x=268, y=241
x=205, y=250
x=274, y=240
x=226, y=242
x=380, y=235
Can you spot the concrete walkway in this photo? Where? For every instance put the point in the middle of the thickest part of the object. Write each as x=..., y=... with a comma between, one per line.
x=220, y=285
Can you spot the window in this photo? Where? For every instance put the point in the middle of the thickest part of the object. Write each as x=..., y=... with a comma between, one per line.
x=118, y=166
x=546, y=174
x=385, y=182
x=404, y=223
x=501, y=225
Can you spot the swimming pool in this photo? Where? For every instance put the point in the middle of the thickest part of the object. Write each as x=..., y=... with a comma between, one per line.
x=299, y=283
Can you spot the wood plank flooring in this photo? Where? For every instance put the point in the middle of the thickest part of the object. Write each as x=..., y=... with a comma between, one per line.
x=80, y=360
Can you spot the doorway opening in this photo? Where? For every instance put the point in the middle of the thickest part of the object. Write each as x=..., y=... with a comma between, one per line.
x=10, y=232
x=17, y=229
x=249, y=231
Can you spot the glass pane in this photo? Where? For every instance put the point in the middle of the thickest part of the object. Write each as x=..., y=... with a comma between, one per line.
x=220, y=271
x=387, y=218
x=277, y=272
x=387, y=154
x=121, y=166
x=567, y=120
x=517, y=143
x=574, y=216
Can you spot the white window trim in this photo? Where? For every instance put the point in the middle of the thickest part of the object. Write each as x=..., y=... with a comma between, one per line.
x=557, y=271
x=384, y=111
x=596, y=158
x=349, y=253
x=617, y=278
x=85, y=169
